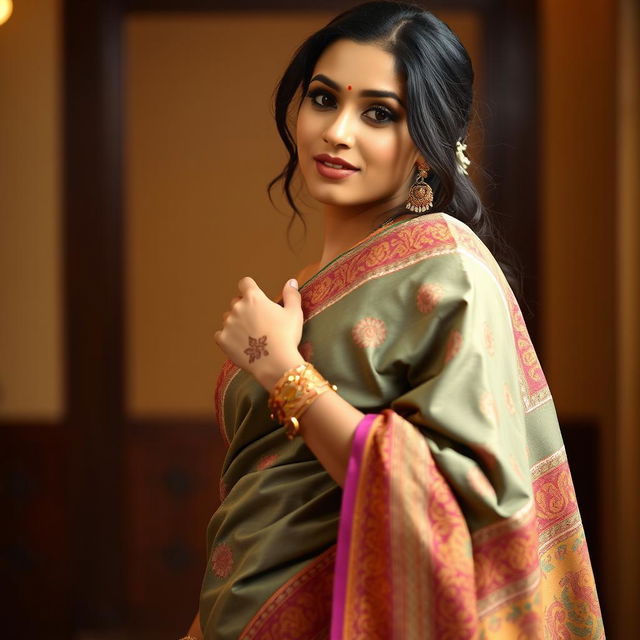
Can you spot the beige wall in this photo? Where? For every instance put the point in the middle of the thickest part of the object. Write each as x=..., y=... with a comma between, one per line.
x=200, y=149
x=31, y=315
x=201, y=145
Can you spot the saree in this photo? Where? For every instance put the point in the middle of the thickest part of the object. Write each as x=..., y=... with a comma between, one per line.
x=458, y=517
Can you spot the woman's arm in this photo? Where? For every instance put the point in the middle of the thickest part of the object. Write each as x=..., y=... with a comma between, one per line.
x=262, y=337
x=327, y=427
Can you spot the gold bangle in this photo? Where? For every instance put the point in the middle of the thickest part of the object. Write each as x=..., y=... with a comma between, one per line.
x=294, y=393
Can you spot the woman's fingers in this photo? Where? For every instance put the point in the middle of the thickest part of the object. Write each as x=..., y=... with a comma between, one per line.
x=246, y=285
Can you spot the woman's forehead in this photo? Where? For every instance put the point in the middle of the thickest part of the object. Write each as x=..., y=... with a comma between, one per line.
x=360, y=65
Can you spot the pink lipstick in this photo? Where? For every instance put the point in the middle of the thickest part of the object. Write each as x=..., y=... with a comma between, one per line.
x=333, y=167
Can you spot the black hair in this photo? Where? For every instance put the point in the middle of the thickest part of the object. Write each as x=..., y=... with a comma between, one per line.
x=438, y=77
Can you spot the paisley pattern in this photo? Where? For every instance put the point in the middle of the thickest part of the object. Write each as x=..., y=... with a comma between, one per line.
x=437, y=581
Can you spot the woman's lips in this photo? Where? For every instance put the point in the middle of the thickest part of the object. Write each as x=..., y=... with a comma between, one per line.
x=333, y=173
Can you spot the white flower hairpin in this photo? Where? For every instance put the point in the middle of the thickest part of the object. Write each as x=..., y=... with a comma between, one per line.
x=463, y=161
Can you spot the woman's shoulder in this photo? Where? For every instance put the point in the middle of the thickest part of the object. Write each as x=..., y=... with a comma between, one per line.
x=449, y=249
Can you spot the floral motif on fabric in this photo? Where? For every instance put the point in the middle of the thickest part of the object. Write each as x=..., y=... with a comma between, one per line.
x=574, y=611
x=429, y=295
x=515, y=465
x=369, y=332
x=489, y=341
x=488, y=407
x=267, y=461
x=306, y=350
x=222, y=560
x=454, y=344
x=508, y=400
x=480, y=484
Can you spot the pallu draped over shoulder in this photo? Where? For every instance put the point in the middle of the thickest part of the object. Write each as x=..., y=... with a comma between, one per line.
x=458, y=517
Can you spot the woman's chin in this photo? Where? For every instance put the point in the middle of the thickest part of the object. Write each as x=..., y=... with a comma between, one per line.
x=336, y=197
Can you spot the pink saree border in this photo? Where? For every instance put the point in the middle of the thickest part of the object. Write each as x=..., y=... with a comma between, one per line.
x=410, y=242
x=344, y=532
x=380, y=254
x=227, y=372
x=302, y=591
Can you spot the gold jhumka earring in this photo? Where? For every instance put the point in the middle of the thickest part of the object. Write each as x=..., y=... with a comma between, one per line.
x=420, y=194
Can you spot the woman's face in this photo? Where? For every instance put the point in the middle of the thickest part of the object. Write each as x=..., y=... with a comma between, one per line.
x=354, y=113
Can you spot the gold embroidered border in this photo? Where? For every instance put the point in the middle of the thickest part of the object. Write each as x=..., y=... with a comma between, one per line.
x=379, y=273
x=558, y=531
x=412, y=598
x=515, y=590
x=288, y=590
x=516, y=521
x=547, y=464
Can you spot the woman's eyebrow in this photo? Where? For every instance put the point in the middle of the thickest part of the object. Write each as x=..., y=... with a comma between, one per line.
x=365, y=93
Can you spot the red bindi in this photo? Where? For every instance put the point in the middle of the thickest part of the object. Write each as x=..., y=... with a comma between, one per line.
x=348, y=87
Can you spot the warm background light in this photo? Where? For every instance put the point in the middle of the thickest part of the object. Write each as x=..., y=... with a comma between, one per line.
x=6, y=9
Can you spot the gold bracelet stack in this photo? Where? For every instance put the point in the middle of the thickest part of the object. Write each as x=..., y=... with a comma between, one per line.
x=293, y=394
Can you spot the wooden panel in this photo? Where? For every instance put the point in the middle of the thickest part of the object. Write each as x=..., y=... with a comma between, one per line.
x=172, y=475
x=34, y=545
x=93, y=305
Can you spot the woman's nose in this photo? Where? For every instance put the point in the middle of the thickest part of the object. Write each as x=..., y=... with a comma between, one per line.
x=341, y=130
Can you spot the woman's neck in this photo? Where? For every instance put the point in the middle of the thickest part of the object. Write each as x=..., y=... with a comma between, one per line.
x=344, y=227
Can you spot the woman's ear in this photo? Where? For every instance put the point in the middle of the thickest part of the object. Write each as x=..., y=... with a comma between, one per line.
x=419, y=159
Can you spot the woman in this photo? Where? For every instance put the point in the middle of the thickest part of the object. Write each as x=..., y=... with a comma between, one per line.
x=429, y=495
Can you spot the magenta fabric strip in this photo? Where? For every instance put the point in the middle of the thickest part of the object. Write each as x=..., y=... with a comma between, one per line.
x=346, y=520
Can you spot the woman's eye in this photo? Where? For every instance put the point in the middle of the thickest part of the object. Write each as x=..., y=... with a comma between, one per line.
x=381, y=115
x=320, y=98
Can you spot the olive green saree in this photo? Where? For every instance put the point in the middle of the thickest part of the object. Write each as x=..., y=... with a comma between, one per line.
x=458, y=517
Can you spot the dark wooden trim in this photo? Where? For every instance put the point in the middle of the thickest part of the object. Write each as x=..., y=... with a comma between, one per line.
x=94, y=306
x=512, y=133
x=34, y=546
x=172, y=478
x=180, y=6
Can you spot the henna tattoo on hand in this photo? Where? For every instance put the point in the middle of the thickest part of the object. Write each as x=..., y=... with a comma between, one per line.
x=257, y=348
